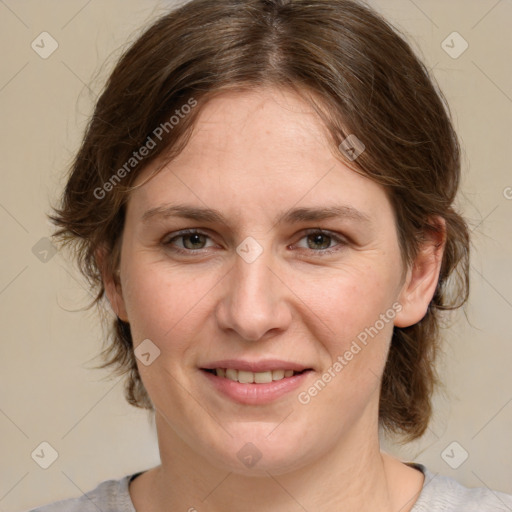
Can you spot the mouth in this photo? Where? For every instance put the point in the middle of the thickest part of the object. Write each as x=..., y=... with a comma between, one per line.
x=249, y=377
x=256, y=382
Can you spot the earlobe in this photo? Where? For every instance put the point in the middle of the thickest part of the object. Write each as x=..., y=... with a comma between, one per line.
x=422, y=276
x=112, y=284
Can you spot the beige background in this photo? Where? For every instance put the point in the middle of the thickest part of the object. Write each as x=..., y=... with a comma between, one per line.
x=47, y=391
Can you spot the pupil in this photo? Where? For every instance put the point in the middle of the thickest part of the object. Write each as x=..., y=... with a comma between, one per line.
x=195, y=237
x=318, y=239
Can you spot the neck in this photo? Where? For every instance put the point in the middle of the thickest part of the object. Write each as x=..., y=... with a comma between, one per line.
x=354, y=476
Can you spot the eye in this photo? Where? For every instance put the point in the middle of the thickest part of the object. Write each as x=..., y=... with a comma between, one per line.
x=192, y=240
x=319, y=241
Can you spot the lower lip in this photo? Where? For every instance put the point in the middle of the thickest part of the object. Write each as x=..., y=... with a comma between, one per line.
x=256, y=394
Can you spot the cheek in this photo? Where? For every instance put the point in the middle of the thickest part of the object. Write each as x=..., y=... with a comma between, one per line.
x=357, y=307
x=359, y=313
x=349, y=301
x=163, y=303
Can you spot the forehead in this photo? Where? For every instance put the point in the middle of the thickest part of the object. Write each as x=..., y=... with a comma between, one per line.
x=254, y=130
x=258, y=152
x=278, y=119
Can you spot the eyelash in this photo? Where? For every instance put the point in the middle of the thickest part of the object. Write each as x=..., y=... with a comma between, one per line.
x=167, y=242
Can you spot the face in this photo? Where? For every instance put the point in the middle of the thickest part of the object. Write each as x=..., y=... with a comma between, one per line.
x=266, y=287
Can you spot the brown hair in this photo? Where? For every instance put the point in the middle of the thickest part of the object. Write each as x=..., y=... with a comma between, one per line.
x=362, y=78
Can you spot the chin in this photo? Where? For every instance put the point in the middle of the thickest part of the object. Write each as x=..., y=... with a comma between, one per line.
x=259, y=455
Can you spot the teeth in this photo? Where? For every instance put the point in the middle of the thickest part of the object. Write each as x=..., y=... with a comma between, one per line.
x=231, y=374
x=263, y=377
x=278, y=374
x=246, y=377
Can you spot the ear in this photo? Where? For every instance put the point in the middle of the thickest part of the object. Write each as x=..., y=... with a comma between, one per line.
x=422, y=276
x=111, y=282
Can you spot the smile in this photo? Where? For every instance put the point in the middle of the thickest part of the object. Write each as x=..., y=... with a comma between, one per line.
x=255, y=383
x=248, y=377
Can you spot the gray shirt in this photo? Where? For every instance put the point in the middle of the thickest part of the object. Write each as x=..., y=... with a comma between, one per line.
x=439, y=494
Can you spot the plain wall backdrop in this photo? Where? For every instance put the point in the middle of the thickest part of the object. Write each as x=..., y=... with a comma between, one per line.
x=48, y=391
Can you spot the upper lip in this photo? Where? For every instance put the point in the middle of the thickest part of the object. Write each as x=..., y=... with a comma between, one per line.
x=256, y=366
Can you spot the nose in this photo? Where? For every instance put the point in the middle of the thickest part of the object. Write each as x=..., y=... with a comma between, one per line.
x=254, y=299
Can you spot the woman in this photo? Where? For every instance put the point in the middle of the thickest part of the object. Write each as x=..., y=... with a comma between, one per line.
x=265, y=196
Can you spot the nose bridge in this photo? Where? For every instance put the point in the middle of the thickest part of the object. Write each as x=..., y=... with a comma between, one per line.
x=253, y=303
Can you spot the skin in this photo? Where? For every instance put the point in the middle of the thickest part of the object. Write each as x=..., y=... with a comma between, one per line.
x=253, y=156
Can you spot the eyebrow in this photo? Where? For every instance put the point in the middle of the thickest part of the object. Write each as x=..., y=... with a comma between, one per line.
x=292, y=216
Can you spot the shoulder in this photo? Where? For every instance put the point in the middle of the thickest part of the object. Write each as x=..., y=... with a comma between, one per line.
x=441, y=493
x=108, y=496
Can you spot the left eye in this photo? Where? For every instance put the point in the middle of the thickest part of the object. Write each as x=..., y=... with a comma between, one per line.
x=322, y=239
x=192, y=241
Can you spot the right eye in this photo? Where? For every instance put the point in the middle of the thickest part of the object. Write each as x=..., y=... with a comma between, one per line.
x=192, y=240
